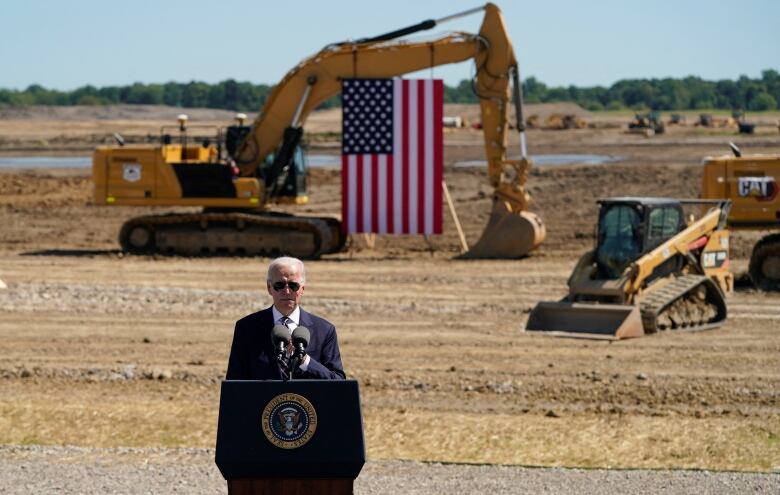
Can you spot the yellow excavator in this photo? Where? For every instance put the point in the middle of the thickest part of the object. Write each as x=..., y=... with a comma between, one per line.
x=652, y=269
x=750, y=181
x=246, y=169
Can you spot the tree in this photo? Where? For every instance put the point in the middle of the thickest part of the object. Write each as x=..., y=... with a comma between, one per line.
x=195, y=94
x=172, y=94
x=143, y=94
x=688, y=93
x=762, y=101
x=534, y=91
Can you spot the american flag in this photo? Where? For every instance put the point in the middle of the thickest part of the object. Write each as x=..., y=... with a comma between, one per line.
x=392, y=162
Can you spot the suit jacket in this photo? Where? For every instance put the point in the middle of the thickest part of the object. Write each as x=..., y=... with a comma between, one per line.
x=252, y=355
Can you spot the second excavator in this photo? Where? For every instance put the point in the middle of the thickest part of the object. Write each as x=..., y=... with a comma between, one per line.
x=236, y=177
x=750, y=181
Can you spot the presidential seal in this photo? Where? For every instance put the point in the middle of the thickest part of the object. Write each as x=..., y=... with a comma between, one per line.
x=289, y=421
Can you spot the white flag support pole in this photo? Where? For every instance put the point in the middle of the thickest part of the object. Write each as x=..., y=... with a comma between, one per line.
x=464, y=246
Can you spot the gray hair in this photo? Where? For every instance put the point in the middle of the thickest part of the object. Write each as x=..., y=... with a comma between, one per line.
x=286, y=261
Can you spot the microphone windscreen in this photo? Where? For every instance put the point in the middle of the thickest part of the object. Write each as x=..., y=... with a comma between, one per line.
x=280, y=333
x=301, y=334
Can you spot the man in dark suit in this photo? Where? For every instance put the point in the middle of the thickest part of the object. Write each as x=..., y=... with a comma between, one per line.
x=252, y=355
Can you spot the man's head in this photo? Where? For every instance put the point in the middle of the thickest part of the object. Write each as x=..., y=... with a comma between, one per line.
x=285, y=281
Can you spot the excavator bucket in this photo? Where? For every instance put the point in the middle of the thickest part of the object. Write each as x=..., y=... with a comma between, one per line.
x=583, y=320
x=508, y=235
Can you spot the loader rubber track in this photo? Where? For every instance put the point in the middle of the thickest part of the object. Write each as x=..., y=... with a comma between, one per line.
x=690, y=302
x=233, y=233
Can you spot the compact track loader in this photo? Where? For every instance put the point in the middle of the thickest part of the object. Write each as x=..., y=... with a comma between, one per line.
x=652, y=269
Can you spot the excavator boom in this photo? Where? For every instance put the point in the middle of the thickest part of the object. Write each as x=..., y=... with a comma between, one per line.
x=512, y=231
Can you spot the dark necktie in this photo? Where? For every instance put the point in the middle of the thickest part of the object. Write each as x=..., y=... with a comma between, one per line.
x=284, y=320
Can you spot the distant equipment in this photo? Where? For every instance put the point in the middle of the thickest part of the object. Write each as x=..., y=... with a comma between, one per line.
x=452, y=122
x=647, y=124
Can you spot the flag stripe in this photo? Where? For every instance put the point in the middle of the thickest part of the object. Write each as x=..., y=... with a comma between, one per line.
x=374, y=193
x=427, y=202
x=438, y=155
x=345, y=202
x=359, y=184
x=398, y=161
x=420, y=113
x=381, y=194
x=353, y=213
x=414, y=156
x=405, y=185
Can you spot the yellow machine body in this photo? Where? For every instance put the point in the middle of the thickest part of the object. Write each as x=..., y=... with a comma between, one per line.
x=147, y=176
x=752, y=184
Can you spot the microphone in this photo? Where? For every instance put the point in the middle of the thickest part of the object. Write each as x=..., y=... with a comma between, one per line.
x=280, y=337
x=300, y=340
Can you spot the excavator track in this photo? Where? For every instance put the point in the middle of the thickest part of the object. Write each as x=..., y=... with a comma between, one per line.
x=690, y=302
x=249, y=233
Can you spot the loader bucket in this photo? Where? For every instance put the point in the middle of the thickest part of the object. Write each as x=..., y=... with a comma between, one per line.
x=508, y=235
x=584, y=320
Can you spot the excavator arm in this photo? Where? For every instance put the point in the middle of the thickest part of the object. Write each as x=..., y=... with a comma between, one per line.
x=511, y=231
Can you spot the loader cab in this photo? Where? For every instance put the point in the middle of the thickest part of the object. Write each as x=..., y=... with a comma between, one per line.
x=631, y=227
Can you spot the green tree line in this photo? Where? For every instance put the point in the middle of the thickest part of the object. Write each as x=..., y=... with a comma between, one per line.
x=689, y=93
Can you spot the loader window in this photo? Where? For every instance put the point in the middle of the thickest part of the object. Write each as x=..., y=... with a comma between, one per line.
x=619, y=241
x=664, y=223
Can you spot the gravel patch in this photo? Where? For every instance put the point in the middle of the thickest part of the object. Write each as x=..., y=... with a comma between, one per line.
x=77, y=470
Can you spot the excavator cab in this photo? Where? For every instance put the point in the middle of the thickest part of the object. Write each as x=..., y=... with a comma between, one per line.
x=286, y=184
x=285, y=177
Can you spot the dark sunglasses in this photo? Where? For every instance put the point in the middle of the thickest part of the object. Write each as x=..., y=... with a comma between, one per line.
x=294, y=286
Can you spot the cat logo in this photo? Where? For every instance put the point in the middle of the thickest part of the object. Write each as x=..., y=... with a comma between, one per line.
x=131, y=172
x=761, y=188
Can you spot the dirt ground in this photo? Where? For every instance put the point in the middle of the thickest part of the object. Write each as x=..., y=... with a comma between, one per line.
x=102, y=349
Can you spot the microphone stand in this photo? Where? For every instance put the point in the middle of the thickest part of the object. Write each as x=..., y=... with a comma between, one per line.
x=283, y=365
x=296, y=359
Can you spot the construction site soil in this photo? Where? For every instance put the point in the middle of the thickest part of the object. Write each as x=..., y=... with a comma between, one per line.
x=102, y=349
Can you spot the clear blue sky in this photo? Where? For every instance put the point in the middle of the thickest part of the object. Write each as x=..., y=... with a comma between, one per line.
x=70, y=43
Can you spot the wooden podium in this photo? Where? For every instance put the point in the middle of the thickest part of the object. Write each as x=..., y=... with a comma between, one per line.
x=294, y=438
